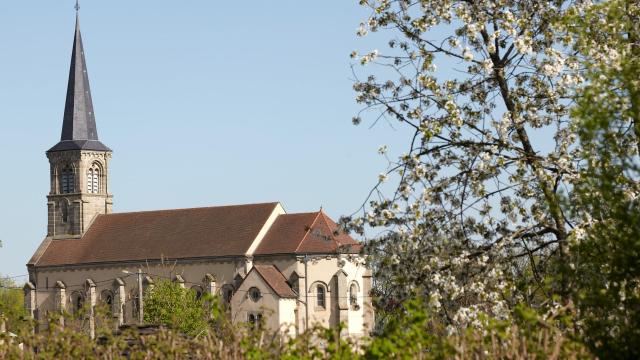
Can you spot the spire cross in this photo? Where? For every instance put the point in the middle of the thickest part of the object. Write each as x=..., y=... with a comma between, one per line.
x=77, y=7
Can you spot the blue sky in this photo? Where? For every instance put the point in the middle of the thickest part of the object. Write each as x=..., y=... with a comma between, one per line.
x=203, y=102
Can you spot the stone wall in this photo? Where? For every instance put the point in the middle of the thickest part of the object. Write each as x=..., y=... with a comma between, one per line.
x=71, y=214
x=60, y=288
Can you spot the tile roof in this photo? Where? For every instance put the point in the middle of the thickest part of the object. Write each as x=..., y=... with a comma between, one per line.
x=276, y=280
x=152, y=235
x=306, y=233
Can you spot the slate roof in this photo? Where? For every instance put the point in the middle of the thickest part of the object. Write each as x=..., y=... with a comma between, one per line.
x=79, y=145
x=275, y=279
x=153, y=235
x=306, y=233
x=79, y=130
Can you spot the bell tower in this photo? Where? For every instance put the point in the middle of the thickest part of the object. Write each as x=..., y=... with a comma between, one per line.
x=79, y=163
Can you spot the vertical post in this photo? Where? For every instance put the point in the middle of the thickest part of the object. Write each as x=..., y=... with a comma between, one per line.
x=210, y=284
x=119, y=301
x=306, y=294
x=342, y=300
x=30, y=299
x=369, y=316
x=61, y=300
x=140, y=300
x=90, y=295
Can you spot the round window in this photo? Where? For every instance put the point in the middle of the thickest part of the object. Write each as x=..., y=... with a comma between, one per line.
x=254, y=294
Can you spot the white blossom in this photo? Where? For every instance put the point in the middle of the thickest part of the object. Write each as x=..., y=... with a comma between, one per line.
x=467, y=54
x=473, y=187
x=362, y=30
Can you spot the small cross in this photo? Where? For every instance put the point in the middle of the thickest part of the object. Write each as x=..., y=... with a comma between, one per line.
x=77, y=7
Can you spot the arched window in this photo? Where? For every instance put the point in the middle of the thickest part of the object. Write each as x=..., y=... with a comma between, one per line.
x=135, y=302
x=255, y=319
x=64, y=185
x=93, y=179
x=67, y=180
x=321, y=298
x=353, y=294
x=107, y=298
x=77, y=301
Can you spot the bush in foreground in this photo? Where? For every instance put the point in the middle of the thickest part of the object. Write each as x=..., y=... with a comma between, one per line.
x=412, y=335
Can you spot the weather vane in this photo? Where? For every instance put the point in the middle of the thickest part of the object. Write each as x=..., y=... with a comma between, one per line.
x=77, y=7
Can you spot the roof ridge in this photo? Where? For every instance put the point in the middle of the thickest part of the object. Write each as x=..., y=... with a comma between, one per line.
x=302, y=213
x=191, y=208
x=307, y=232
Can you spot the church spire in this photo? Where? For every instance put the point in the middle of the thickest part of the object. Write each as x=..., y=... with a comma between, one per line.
x=79, y=131
x=79, y=163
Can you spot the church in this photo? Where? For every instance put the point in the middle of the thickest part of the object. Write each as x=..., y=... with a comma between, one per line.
x=291, y=271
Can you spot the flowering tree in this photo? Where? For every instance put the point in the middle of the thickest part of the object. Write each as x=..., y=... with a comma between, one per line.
x=483, y=203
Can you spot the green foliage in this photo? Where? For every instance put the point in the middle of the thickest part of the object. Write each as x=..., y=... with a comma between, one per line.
x=541, y=337
x=170, y=304
x=12, y=305
x=605, y=253
x=416, y=334
x=323, y=343
x=606, y=279
x=410, y=335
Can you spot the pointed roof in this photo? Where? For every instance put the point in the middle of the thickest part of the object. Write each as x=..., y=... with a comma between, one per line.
x=306, y=233
x=79, y=131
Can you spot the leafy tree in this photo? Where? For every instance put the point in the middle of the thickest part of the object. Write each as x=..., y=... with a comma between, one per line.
x=170, y=304
x=12, y=305
x=605, y=253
